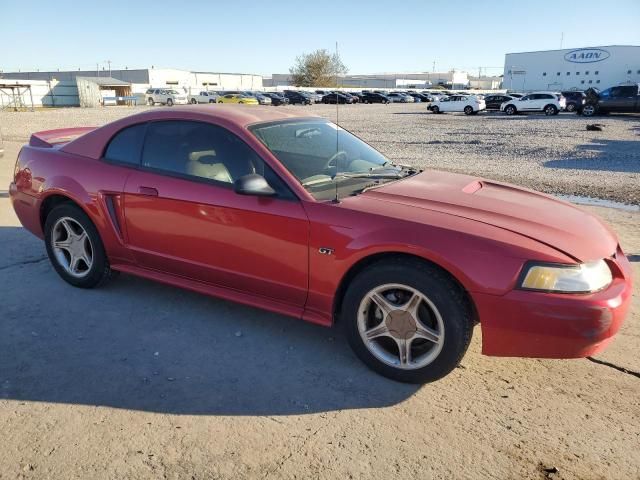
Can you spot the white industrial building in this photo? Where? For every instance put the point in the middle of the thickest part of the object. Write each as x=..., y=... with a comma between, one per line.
x=452, y=79
x=58, y=88
x=572, y=69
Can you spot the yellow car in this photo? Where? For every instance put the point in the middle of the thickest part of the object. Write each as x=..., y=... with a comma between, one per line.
x=238, y=98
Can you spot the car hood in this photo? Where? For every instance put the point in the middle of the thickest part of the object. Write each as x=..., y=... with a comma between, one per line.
x=541, y=217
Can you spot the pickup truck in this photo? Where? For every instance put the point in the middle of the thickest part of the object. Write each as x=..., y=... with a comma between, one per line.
x=618, y=99
x=204, y=97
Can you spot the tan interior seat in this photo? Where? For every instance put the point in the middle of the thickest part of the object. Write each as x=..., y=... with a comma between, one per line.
x=204, y=164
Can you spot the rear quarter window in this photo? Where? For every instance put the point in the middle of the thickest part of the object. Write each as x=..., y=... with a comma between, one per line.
x=126, y=145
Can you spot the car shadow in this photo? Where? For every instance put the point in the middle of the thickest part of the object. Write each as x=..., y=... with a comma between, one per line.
x=603, y=155
x=140, y=345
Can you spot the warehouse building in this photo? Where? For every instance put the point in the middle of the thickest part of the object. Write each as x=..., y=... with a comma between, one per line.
x=61, y=87
x=572, y=69
x=452, y=79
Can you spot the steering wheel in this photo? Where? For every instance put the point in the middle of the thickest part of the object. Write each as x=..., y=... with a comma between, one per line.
x=334, y=158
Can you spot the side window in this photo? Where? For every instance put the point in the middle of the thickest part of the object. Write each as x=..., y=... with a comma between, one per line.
x=204, y=151
x=628, y=91
x=527, y=97
x=126, y=145
x=616, y=92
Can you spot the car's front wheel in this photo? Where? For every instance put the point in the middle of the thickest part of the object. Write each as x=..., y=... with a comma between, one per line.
x=193, y=101
x=510, y=110
x=74, y=247
x=407, y=320
x=468, y=110
x=169, y=102
x=550, y=110
x=589, y=110
x=150, y=102
x=435, y=109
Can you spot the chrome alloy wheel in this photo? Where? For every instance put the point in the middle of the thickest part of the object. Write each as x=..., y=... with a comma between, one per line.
x=400, y=326
x=72, y=247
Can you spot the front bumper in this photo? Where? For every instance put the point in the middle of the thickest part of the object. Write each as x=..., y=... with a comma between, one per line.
x=545, y=325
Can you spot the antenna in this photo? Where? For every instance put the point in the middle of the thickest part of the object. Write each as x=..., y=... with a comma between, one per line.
x=561, y=39
x=336, y=199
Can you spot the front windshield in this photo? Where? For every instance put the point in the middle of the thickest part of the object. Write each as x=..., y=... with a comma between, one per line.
x=319, y=154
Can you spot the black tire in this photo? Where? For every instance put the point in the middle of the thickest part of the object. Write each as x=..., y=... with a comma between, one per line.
x=589, y=110
x=193, y=101
x=169, y=102
x=435, y=109
x=448, y=297
x=212, y=101
x=571, y=107
x=150, y=102
x=100, y=272
x=468, y=110
x=550, y=110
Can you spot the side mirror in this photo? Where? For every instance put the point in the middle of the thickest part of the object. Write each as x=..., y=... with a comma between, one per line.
x=253, y=184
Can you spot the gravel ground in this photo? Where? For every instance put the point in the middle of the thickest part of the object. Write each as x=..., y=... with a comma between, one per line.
x=141, y=380
x=555, y=155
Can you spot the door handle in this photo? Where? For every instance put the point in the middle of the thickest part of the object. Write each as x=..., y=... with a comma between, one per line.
x=150, y=191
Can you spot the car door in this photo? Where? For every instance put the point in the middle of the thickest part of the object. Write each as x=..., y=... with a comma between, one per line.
x=184, y=218
x=621, y=99
x=526, y=103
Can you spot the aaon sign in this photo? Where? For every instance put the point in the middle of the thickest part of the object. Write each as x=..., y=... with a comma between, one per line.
x=586, y=55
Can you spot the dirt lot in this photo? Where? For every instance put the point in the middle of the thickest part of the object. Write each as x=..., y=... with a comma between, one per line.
x=140, y=380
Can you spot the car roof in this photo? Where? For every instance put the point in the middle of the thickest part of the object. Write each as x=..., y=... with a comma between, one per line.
x=91, y=144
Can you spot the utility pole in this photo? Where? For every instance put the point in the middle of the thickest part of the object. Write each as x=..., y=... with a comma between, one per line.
x=109, y=63
x=561, y=40
x=97, y=70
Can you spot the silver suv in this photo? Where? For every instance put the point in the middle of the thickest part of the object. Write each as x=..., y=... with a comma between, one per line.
x=165, y=96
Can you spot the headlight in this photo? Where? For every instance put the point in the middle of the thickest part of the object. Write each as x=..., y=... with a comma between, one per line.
x=583, y=278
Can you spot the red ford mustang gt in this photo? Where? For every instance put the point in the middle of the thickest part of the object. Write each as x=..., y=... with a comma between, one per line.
x=294, y=214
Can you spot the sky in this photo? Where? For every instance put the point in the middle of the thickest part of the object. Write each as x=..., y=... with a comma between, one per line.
x=264, y=37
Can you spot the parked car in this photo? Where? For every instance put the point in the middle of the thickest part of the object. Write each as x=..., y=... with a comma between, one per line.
x=264, y=211
x=574, y=100
x=493, y=102
x=298, y=98
x=337, y=98
x=417, y=97
x=354, y=98
x=260, y=96
x=398, y=97
x=546, y=102
x=277, y=99
x=240, y=98
x=370, y=97
x=165, y=96
x=516, y=95
x=468, y=104
x=618, y=99
x=204, y=97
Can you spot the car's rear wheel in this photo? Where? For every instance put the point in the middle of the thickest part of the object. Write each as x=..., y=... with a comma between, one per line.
x=435, y=109
x=193, y=101
x=74, y=247
x=150, y=102
x=571, y=107
x=212, y=101
x=407, y=320
x=510, y=110
x=589, y=110
x=169, y=102
x=550, y=110
x=468, y=110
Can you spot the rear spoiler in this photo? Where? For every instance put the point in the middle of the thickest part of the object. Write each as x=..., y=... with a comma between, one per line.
x=49, y=138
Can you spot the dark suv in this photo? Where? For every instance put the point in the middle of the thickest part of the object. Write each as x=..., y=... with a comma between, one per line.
x=371, y=97
x=297, y=97
x=618, y=99
x=575, y=100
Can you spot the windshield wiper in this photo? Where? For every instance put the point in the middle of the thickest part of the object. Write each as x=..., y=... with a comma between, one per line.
x=377, y=172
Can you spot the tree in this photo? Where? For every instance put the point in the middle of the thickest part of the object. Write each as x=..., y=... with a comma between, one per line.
x=317, y=69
